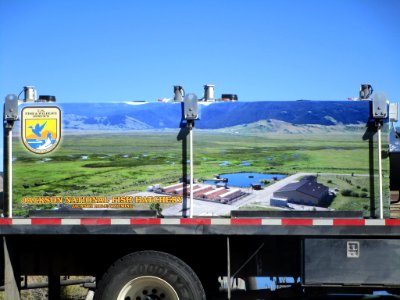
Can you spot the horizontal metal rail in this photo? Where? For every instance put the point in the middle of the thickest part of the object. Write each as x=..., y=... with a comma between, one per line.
x=199, y=226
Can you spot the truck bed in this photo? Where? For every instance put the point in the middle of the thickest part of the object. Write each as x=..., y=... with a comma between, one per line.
x=200, y=226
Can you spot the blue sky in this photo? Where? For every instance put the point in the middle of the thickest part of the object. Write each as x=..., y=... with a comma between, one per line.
x=103, y=51
x=137, y=50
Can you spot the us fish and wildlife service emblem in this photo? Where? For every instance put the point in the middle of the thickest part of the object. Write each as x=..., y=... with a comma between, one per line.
x=41, y=128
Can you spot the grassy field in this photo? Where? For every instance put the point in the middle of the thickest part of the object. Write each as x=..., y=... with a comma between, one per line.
x=99, y=164
x=354, y=193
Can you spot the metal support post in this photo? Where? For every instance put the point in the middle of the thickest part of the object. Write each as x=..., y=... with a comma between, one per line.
x=9, y=117
x=380, y=171
x=190, y=114
x=191, y=167
x=11, y=291
x=379, y=113
x=9, y=174
x=229, y=267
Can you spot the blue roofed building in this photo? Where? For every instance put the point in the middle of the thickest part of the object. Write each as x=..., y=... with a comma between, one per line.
x=307, y=191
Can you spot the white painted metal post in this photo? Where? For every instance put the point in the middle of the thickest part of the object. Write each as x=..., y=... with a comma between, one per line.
x=9, y=117
x=380, y=173
x=9, y=175
x=191, y=169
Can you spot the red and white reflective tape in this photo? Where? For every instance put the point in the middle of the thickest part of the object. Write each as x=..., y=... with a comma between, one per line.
x=201, y=221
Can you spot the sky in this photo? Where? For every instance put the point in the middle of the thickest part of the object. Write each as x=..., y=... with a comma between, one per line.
x=103, y=51
x=120, y=50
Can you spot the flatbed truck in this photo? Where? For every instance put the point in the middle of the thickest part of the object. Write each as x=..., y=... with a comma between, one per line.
x=141, y=254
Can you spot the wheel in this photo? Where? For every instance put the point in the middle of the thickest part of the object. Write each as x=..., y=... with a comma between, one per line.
x=149, y=275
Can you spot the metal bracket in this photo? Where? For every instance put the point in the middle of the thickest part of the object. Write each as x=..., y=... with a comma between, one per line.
x=10, y=110
x=190, y=107
x=394, y=112
x=379, y=106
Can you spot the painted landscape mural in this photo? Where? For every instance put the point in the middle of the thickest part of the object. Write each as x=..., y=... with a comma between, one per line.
x=267, y=155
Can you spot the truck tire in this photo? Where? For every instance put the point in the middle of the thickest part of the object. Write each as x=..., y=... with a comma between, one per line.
x=149, y=275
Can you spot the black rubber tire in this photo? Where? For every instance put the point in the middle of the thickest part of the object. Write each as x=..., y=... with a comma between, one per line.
x=150, y=263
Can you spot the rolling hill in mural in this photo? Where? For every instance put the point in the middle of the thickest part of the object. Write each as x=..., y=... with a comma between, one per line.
x=214, y=116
